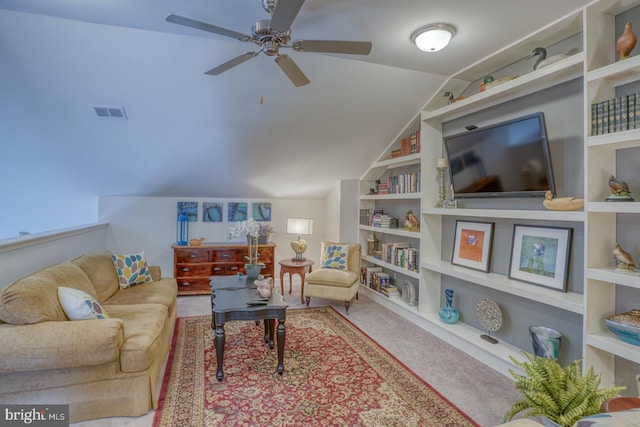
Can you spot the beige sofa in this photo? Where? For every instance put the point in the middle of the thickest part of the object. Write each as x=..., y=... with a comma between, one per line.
x=100, y=368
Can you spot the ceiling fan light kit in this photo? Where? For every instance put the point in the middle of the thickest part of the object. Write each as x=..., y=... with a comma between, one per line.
x=272, y=35
x=433, y=37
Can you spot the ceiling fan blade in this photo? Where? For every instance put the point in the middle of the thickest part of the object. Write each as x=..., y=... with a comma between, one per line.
x=231, y=63
x=292, y=71
x=332, y=46
x=284, y=14
x=188, y=22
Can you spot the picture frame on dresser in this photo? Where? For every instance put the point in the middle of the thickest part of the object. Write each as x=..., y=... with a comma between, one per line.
x=472, y=245
x=540, y=255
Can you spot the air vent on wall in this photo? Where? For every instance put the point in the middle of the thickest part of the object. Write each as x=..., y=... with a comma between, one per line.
x=109, y=112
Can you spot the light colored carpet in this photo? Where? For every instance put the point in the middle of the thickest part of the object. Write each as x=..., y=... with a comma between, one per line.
x=482, y=393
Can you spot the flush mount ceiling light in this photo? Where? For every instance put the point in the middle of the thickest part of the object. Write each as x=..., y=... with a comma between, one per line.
x=433, y=37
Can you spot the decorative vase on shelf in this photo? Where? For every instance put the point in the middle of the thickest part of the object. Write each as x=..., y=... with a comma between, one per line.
x=252, y=271
x=545, y=341
x=626, y=42
x=448, y=314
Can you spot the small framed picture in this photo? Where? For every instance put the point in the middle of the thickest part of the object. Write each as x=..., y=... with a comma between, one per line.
x=540, y=255
x=212, y=211
x=472, y=245
x=237, y=211
x=190, y=209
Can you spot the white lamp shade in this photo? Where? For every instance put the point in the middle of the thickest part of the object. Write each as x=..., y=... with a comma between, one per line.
x=432, y=38
x=300, y=226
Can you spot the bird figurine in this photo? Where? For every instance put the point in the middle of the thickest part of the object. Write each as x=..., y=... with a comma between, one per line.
x=542, y=60
x=411, y=222
x=562, y=203
x=196, y=242
x=624, y=260
x=619, y=190
x=626, y=42
x=451, y=99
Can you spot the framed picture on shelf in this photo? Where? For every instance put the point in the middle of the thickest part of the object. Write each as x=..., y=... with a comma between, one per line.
x=540, y=255
x=472, y=245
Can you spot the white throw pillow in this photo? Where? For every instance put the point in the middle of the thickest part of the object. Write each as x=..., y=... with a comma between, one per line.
x=79, y=305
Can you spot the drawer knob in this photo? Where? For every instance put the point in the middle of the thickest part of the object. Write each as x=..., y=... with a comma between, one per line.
x=186, y=269
x=217, y=268
x=192, y=255
x=234, y=268
x=185, y=283
x=225, y=255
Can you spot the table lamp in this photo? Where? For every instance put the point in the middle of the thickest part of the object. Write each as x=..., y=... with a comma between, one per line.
x=299, y=226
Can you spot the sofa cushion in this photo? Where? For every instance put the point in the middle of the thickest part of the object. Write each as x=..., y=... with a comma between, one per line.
x=335, y=255
x=80, y=305
x=162, y=292
x=34, y=298
x=98, y=266
x=332, y=277
x=143, y=326
x=132, y=269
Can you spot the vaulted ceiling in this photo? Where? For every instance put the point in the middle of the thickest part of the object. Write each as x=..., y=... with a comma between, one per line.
x=247, y=132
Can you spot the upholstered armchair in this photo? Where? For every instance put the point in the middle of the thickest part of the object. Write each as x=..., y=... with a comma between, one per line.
x=338, y=277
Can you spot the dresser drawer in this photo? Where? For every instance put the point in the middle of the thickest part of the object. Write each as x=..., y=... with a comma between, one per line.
x=193, y=283
x=227, y=255
x=188, y=270
x=192, y=255
x=234, y=268
x=217, y=270
x=266, y=255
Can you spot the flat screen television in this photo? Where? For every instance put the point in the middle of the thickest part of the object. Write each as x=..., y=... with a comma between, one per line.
x=507, y=159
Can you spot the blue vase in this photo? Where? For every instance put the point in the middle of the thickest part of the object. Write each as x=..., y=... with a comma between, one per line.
x=545, y=341
x=448, y=314
x=252, y=271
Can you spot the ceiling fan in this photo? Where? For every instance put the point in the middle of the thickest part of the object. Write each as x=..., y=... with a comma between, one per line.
x=273, y=34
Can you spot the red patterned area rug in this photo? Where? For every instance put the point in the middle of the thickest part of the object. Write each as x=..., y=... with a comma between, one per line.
x=334, y=375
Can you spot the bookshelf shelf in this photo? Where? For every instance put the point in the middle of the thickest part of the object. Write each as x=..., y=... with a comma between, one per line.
x=391, y=231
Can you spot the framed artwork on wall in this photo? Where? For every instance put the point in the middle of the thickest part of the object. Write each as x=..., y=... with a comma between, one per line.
x=540, y=255
x=190, y=209
x=212, y=211
x=237, y=211
x=472, y=245
x=262, y=211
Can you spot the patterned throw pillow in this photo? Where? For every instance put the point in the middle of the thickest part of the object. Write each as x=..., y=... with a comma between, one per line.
x=79, y=305
x=336, y=256
x=132, y=269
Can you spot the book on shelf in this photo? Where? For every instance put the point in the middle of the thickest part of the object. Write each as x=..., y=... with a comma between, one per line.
x=389, y=290
x=616, y=114
x=366, y=216
x=401, y=255
x=369, y=272
x=381, y=220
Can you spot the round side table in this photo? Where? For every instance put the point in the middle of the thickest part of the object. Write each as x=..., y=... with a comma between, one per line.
x=294, y=267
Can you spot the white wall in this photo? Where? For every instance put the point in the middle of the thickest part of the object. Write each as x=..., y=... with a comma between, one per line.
x=341, y=211
x=149, y=224
x=20, y=257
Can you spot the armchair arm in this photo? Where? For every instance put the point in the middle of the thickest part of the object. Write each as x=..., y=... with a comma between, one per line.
x=56, y=345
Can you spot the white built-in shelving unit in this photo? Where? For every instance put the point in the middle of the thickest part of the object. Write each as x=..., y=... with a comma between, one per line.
x=602, y=74
x=395, y=204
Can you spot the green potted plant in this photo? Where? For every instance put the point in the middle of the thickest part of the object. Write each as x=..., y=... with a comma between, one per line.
x=562, y=395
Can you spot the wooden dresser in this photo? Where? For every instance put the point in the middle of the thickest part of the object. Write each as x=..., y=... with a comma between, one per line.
x=194, y=265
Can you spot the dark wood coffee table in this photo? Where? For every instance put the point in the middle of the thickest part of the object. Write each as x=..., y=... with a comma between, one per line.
x=231, y=299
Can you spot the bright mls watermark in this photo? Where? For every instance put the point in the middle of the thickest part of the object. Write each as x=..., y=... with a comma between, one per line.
x=34, y=415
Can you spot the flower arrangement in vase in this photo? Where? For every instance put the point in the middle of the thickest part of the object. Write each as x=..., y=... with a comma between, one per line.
x=252, y=229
